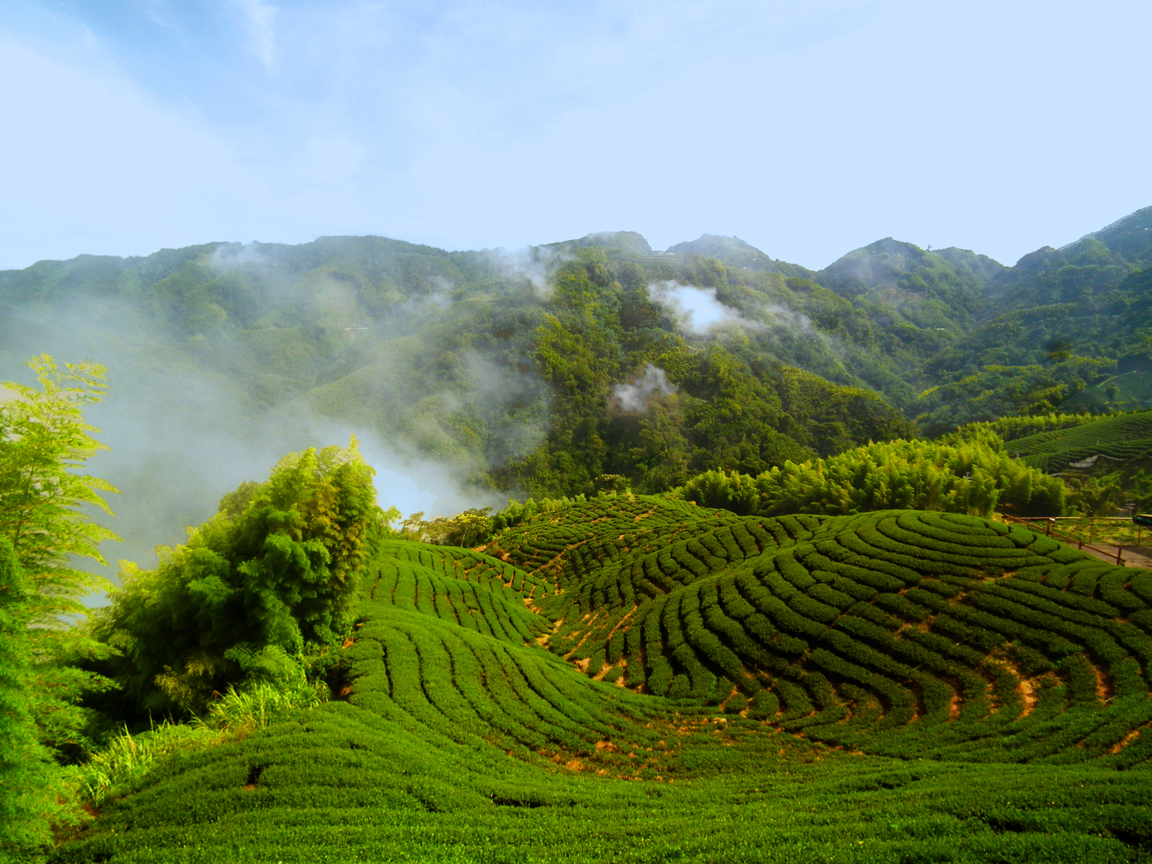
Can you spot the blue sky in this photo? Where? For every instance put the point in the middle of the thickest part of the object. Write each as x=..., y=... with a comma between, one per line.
x=807, y=129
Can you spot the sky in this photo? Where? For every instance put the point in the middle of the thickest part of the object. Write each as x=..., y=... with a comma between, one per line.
x=807, y=129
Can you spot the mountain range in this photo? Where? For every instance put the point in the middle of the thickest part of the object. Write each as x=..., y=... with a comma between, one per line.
x=544, y=371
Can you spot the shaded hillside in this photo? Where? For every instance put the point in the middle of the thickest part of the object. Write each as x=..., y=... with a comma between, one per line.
x=942, y=286
x=634, y=679
x=999, y=391
x=1129, y=237
x=967, y=318
x=1090, y=298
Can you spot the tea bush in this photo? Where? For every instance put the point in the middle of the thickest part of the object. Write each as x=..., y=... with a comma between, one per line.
x=631, y=679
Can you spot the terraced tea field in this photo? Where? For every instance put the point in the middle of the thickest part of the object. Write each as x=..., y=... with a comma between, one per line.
x=904, y=633
x=1121, y=438
x=635, y=679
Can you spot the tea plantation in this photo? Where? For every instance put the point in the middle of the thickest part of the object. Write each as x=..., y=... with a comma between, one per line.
x=1119, y=438
x=634, y=679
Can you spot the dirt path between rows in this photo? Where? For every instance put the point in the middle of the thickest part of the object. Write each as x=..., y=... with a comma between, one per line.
x=1133, y=556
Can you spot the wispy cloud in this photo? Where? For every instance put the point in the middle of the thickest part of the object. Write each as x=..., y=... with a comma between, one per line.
x=635, y=397
x=261, y=17
x=183, y=432
x=533, y=264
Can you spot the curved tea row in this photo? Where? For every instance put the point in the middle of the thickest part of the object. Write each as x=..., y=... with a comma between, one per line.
x=1122, y=438
x=446, y=638
x=736, y=652
x=971, y=638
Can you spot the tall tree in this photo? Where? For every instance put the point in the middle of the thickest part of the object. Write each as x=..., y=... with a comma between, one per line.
x=271, y=575
x=25, y=767
x=44, y=442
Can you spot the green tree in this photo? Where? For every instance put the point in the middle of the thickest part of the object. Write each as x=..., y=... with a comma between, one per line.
x=273, y=572
x=1096, y=495
x=965, y=477
x=26, y=776
x=468, y=529
x=44, y=442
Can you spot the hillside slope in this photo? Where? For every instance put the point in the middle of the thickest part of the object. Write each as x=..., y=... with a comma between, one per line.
x=941, y=625
x=1117, y=439
x=570, y=368
x=634, y=679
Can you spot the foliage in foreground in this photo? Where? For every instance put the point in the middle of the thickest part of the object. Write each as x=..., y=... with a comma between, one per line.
x=26, y=776
x=349, y=784
x=259, y=703
x=44, y=443
x=125, y=759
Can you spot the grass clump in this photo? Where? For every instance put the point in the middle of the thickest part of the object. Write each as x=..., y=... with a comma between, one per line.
x=258, y=704
x=125, y=759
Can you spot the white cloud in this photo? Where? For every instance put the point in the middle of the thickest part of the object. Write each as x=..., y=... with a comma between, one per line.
x=534, y=265
x=635, y=397
x=696, y=309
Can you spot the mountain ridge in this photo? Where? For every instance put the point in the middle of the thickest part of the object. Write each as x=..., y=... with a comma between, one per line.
x=505, y=369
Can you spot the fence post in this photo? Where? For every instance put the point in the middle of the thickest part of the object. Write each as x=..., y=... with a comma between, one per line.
x=1119, y=560
x=1048, y=527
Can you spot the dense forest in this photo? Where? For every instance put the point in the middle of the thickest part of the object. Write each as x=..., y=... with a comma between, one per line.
x=758, y=562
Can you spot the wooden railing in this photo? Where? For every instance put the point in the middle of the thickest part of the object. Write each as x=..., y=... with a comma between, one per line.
x=1050, y=530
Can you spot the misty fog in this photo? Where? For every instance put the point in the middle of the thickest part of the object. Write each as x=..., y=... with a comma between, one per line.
x=183, y=431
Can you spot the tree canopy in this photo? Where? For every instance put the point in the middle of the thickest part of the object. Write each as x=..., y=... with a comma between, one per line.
x=970, y=476
x=272, y=572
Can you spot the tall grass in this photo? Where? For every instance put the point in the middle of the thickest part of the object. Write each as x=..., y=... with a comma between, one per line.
x=125, y=760
x=257, y=704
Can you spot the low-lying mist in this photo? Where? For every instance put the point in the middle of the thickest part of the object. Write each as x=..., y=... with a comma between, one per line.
x=316, y=356
x=223, y=358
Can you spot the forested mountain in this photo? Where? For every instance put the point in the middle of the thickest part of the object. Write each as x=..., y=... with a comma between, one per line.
x=1070, y=325
x=590, y=363
x=734, y=252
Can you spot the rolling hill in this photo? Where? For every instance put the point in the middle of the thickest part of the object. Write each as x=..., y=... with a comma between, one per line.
x=630, y=678
x=1117, y=439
